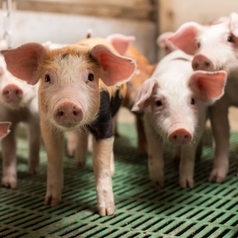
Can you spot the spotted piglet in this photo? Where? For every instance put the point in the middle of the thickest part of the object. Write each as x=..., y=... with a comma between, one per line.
x=175, y=100
x=78, y=91
x=18, y=103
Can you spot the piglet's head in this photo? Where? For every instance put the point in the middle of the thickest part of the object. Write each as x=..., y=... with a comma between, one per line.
x=186, y=37
x=208, y=86
x=23, y=62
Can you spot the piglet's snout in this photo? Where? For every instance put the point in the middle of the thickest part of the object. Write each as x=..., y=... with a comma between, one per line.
x=201, y=62
x=180, y=136
x=12, y=93
x=68, y=114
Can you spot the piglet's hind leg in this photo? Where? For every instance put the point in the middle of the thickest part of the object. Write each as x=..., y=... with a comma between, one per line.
x=34, y=148
x=81, y=148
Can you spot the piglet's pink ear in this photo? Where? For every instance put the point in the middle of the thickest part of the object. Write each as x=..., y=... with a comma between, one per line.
x=114, y=68
x=234, y=24
x=23, y=61
x=120, y=42
x=4, y=128
x=185, y=37
x=162, y=42
x=144, y=95
x=208, y=86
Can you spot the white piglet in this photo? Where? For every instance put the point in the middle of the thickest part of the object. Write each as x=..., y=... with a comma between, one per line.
x=175, y=100
x=215, y=47
x=18, y=103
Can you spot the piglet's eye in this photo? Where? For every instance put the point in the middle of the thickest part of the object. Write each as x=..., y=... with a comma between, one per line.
x=90, y=77
x=230, y=39
x=198, y=44
x=47, y=78
x=192, y=101
x=158, y=103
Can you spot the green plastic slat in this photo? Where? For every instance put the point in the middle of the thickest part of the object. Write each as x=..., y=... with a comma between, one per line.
x=142, y=210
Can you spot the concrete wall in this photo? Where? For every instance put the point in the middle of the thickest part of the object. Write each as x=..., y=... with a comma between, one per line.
x=67, y=21
x=173, y=13
x=67, y=28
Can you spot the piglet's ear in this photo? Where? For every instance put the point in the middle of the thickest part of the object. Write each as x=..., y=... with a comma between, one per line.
x=185, y=37
x=4, y=129
x=144, y=95
x=23, y=61
x=208, y=86
x=115, y=69
x=163, y=43
x=234, y=24
x=120, y=42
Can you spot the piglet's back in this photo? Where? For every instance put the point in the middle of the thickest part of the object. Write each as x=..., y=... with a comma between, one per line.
x=91, y=42
x=177, y=64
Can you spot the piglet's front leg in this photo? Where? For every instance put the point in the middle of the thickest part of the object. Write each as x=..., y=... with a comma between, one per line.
x=155, y=154
x=186, y=166
x=103, y=149
x=220, y=127
x=81, y=148
x=54, y=143
x=9, y=177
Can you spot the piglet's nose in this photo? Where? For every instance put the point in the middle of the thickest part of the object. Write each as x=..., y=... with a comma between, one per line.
x=68, y=114
x=180, y=136
x=12, y=93
x=201, y=62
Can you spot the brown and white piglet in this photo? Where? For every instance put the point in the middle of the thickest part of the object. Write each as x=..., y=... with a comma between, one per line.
x=79, y=92
x=143, y=72
x=18, y=103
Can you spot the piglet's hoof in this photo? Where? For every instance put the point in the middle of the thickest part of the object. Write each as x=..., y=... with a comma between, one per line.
x=186, y=183
x=33, y=170
x=49, y=200
x=109, y=210
x=218, y=175
x=9, y=181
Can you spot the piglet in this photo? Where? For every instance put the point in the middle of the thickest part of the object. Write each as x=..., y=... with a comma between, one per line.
x=18, y=103
x=215, y=47
x=143, y=71
x=175, y=100
x=78, y=91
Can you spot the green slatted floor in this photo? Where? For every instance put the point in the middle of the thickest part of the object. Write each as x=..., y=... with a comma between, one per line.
x=208, y=210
